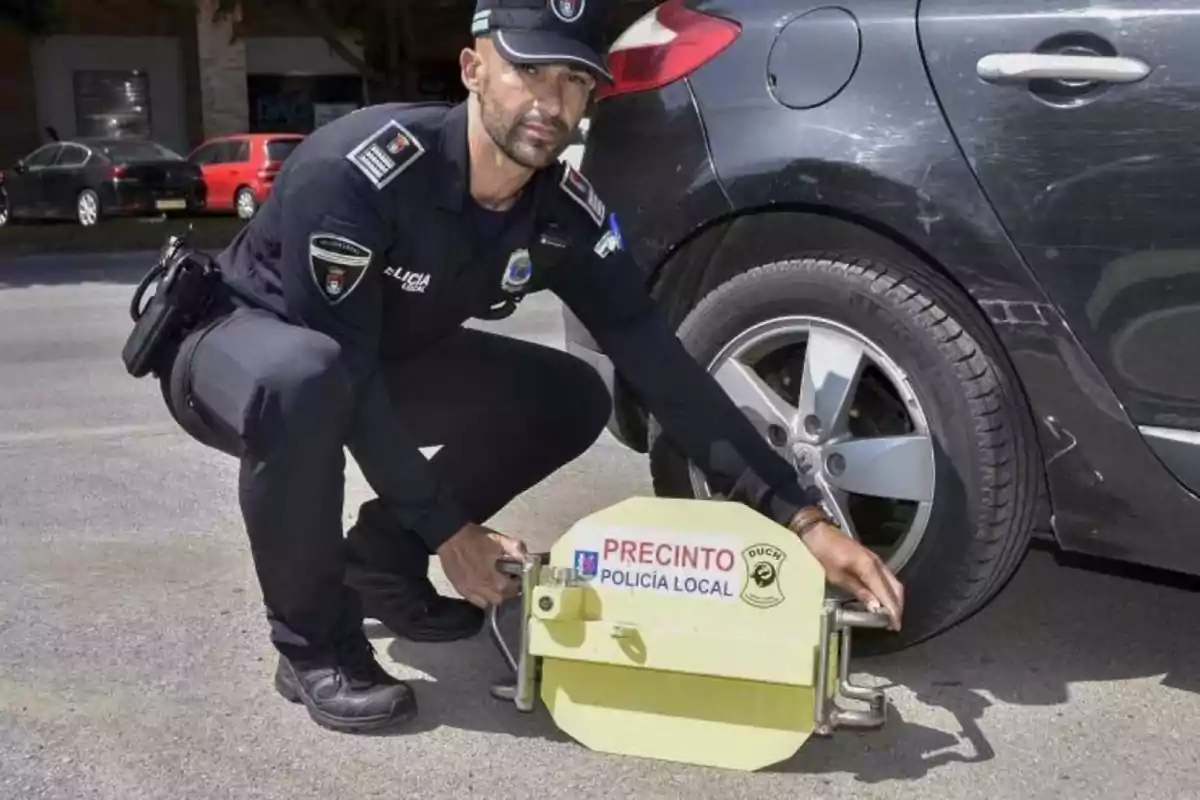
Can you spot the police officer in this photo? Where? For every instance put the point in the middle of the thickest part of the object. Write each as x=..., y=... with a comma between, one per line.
x=342, y=328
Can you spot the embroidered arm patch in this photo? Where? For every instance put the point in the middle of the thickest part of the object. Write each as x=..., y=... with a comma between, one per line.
x=611, y=241
x=338, y=264
x=386, y=153
x=579, y=189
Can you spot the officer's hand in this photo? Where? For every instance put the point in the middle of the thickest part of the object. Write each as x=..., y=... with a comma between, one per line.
x=852, y=567
x=469, y=560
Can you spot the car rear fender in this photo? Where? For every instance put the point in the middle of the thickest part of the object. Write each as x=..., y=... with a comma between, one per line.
x=854, y=210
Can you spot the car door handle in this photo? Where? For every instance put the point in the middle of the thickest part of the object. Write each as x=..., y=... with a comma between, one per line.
x=1022, y=67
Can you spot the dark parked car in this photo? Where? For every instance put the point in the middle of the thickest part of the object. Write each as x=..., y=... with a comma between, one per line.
x=946, y=256
x=90, y=179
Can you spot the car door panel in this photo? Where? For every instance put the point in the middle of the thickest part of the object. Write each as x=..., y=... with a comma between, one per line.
x=225, y=172
x=28, y=184
x=210, y=165
x=1092, y=162
x=61, y=182
x=241, y=171
x=18, y=186
x=215, y=177
x=200, y=157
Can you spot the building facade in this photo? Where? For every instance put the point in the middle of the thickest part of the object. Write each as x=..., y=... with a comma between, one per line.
x=169, y=73
x=175, y=73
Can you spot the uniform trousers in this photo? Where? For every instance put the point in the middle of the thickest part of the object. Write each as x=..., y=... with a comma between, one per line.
x=505, y=413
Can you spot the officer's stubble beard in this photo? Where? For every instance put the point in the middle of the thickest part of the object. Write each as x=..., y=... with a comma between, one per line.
x=505, y=131
x=504, y=127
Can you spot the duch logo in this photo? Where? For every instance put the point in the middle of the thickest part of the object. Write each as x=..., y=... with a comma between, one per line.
x=763, y=563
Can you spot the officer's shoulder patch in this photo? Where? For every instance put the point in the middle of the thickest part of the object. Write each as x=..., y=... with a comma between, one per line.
x=338, y=264
x=386, y=153
x=579, y=189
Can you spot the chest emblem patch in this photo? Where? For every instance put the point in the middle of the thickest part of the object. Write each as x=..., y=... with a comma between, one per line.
x=385, y=154
x=337, y=264
x=518, y=272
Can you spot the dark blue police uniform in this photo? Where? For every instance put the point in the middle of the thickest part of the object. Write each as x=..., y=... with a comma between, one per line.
x=348, y=292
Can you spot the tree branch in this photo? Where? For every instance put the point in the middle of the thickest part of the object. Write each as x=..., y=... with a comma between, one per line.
x=317, y=17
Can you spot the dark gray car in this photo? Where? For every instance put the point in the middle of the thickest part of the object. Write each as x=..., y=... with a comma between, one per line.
x=945, y=254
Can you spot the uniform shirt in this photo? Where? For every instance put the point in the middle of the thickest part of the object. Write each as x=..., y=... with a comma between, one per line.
x=371, y=236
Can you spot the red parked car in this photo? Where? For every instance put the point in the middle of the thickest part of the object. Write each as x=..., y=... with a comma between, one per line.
x=239, y=170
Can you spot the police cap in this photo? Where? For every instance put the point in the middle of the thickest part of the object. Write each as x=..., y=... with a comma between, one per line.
x=546, y=31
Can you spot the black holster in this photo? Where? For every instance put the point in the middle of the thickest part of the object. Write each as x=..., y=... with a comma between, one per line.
x=188, y=282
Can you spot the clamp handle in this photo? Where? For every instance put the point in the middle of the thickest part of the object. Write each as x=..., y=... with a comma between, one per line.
x=513, y=568
x=510, y=566
x=528, y=570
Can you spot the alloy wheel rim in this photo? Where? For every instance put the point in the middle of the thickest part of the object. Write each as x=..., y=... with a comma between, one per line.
x=87, y=208
x=830, y=401
x=245, y=205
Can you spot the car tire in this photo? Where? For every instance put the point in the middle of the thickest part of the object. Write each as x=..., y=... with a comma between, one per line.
x=244, y=204
x=87, y=208
x=5, y=209
x=979, y=436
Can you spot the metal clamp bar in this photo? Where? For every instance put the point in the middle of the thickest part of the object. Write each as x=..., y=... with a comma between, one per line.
x=498, y=638
x=523, y=692
x=837, y=621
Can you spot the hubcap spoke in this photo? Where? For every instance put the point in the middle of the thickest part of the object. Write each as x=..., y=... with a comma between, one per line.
x=754, y=397
x=892, y=467
x=839, y=507
x=832, y=365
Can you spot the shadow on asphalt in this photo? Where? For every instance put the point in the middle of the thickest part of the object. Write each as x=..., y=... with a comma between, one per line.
x=1063, y=621
x=456, y=695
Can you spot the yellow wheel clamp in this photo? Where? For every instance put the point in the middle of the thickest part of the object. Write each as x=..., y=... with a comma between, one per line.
x=694, y=631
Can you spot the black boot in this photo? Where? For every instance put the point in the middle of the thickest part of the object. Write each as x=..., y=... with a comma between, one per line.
x=388, y=568
x=434, y=619
x=347, y=691
x=411, y=607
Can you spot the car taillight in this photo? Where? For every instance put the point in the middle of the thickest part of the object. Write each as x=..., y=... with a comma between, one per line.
x=118, y=172
x=663, y=46
x=270, y=169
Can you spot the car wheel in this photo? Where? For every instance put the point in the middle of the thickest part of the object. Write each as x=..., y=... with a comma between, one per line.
x=882, y=387
x=5, y=213
x=87, y=208
x=245, y=204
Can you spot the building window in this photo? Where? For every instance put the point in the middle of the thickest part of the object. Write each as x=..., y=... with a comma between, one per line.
x=300, y=103
x=112, y=104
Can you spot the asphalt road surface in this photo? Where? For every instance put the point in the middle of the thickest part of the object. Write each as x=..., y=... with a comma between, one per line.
x=134, y=661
